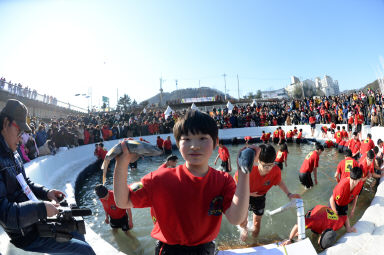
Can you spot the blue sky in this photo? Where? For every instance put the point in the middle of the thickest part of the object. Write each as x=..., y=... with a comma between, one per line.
x=64, y=47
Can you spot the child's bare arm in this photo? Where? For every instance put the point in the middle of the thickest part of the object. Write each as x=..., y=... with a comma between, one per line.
x=240, y=201
x=120, y=186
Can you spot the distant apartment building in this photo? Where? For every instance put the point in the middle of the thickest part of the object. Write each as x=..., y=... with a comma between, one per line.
x=327, y=85
x=279, y=94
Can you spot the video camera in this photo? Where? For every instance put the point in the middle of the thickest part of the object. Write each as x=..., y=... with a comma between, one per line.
x=68, y=220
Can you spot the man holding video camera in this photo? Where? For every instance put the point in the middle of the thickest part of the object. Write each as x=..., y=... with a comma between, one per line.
x=20, y=208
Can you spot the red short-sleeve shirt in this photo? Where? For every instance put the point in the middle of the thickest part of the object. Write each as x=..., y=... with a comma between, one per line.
x=311, y=161
x=224, y=153
x=188, y=209
x=110, y=207
x=342, y=194
x=281, y=156
x=364, y=166
x=345, y=166
x=261, y=184
x=322, y=217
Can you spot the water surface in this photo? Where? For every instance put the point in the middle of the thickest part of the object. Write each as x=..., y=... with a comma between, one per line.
x=275, y=228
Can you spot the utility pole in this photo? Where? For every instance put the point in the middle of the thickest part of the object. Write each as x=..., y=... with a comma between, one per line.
x=225, y=87
x=238, y=88
x=161, y=91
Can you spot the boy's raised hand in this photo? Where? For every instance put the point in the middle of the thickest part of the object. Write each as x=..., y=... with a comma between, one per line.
x=126, y=157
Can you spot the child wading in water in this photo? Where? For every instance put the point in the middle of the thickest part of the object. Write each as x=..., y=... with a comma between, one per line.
x=188, y=201
x=281, y=156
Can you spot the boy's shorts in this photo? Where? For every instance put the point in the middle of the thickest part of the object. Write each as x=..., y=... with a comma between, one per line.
x=306, y=180
x=313, y=126
x=349, y=127
x=257, y=205
x=342, y=210
x=279, y=164
x=358, y=128
x=167, y=249
x=224, y=165
x=120, y=223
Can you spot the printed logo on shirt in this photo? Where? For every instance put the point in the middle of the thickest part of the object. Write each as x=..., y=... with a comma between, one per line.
x=216, y=206
x=348, y=165
x=154, y=219
x=309, y=155
x=136, y=186
x=337, y=197
x=331, y=215
x=113, y=207
x=279, y=154
x=267, y=183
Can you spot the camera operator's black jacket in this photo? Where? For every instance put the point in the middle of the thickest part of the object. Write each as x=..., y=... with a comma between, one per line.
x=18, y=214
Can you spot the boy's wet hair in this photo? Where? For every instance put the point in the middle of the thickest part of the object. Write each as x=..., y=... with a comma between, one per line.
x=172, y=158
x=354, y=133
x=370, y=154
x=369, y=136
x=379, y=141
x=283, y=147
x=101, y=191
x=348, y=153
x=267, y=153
x=356, y=173
x=196, y=122
x=319, y=146
x=338, y=127
x=376, y=149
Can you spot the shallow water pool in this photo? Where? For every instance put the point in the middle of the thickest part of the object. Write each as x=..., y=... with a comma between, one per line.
x=274, y=228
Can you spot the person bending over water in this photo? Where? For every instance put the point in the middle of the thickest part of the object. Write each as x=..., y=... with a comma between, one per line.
x=262, y=177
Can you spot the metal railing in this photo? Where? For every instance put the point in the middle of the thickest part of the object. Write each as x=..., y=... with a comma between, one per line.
x=18, y=90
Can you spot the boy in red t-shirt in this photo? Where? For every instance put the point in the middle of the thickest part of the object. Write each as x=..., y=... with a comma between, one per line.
x=262, y=177
x=299, y=136
x=354, y=145
x=265, y=137
x=367, y=145
x=312, y=122
x=367, y=164
x=338, y=136
x=346, y=191
x=114, y=216
x=167, y=146
x=344, y=133
x=310, y=164
x=345, y=166
x=321, y=220
x=225, y=157
x=282, y=156
x=187, y=201
x=159, y=142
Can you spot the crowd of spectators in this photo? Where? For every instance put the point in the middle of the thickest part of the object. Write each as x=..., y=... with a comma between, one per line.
x=99, y=127
x=19, y=90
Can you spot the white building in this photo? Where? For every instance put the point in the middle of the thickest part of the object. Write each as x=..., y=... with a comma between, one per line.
x=329, y=86
x=279, y=94
x=326, y=84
